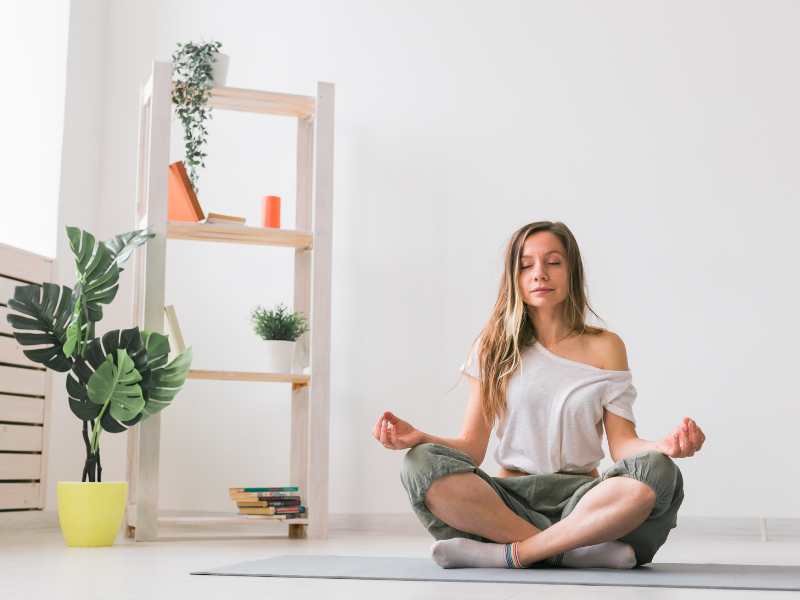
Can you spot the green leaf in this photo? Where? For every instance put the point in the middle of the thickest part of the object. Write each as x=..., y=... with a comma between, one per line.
x=123, y=245
x=167, y=382
x=98, y=284
x=116, y=386
x=95, y=356
x=48, y=309
x=157, y=347
x=79, y=402
x=96, y=266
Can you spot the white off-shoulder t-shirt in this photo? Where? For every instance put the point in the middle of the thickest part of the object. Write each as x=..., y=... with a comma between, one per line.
x=554, y=417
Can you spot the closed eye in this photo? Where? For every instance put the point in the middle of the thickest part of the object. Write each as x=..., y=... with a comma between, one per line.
x=529, y=266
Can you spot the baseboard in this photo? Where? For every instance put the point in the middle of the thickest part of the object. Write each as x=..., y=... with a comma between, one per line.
x=407, y=524
x=749, y=528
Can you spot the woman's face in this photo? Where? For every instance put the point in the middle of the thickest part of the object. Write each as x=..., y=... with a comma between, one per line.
x=543, y=265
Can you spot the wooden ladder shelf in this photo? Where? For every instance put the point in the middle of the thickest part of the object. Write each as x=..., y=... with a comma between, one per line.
x=310, y=412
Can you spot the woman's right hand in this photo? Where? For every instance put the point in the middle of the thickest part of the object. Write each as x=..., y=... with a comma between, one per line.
x=396, y=434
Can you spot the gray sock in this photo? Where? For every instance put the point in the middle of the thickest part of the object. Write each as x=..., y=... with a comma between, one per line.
x=611, y=555
x=464, y=552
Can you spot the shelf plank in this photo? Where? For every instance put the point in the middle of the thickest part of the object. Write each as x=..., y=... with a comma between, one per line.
x=229, y=519
x=295, y=378
x=257, y=101
x=238, y=234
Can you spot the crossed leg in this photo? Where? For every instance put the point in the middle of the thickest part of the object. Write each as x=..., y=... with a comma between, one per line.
x=466, y=502
x=608, y=511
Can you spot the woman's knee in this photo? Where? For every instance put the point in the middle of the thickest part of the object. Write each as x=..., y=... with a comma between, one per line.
x=662, y=474
x=425, y=463
x=416, y=462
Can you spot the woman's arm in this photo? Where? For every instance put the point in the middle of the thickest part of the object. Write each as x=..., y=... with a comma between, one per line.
x=396, y=434
x=623, y=442
x=466, y=446
x=474, y=438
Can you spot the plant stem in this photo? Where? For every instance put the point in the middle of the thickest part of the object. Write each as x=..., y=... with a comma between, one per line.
x=86, y=442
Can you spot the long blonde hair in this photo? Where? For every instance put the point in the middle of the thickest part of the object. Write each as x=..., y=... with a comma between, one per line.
x=509, y=328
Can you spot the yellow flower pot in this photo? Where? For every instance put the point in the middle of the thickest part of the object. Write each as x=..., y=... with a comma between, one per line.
x=90, y=513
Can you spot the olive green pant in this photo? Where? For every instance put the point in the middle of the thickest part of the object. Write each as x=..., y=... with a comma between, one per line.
x=547, y=498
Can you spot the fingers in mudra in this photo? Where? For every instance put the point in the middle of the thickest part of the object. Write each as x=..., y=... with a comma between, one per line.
x=696, y=434
x=687, y=439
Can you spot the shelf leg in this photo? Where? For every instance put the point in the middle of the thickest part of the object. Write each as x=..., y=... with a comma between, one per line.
x=297, y=532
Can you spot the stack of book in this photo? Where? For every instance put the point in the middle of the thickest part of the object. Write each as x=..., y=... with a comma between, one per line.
x=281, y=502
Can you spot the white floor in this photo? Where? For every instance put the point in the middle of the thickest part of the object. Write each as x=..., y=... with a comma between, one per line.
x=35, y=563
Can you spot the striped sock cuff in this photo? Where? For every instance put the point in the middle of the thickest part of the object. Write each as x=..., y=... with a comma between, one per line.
x=512, y=556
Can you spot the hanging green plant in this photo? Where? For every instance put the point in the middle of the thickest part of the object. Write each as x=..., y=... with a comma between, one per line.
x=192, y=81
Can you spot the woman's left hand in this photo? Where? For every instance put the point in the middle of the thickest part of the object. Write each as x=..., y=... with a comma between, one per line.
x=687, y=439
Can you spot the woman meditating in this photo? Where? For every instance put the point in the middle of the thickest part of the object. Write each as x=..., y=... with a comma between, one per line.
x=552, y=384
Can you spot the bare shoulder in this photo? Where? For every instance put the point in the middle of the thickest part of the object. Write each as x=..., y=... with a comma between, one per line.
x=610, y=351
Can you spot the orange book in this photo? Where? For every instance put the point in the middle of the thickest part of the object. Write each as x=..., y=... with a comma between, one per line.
x=182, y=201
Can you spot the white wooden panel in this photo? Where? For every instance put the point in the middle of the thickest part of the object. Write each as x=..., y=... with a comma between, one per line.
x=319, y=407
x=18, y=267
x=298, y=450
x=20, y=466
x=20, y=438
x=16, y=380
x=48, y=401
x=11, y=352
x=19, y=495
x=21, y=409
x=22, y=264
x=7, y=288
x=5, y=327
x=151, y=286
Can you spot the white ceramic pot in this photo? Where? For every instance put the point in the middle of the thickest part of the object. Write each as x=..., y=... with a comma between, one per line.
x=219, y=70
x=279, y=354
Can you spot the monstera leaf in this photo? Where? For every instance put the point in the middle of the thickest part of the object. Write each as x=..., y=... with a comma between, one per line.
x=159, y=382
x=98, y=284
x=48, y=308
x=95, y=355
x=123, y=245
x=114, y=386
x=164, y=380
x=157, y=347
x=166, y=383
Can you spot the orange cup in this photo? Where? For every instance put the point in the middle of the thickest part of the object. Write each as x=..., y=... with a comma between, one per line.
x=271, y=211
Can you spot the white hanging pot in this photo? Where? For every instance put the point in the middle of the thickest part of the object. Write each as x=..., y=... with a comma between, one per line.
x=219, y=70
x=279, y=354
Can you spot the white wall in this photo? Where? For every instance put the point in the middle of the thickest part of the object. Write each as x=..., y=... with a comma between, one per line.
x=663, y=134
x=79, y=205
x=32, y=118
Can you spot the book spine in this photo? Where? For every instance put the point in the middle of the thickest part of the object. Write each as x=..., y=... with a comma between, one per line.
x=257, y=511
x=288, y=488
x=252, y=497
x=292, y=509
x=257, y=503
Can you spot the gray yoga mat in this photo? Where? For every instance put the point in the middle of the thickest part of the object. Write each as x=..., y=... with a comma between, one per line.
x=679, y=575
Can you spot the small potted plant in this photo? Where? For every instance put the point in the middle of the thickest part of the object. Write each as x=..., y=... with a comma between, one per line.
x=113, y=382
x=196, y=69
x=280, y=329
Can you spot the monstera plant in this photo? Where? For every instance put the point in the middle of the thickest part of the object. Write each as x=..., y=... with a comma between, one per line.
x=114, y=381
